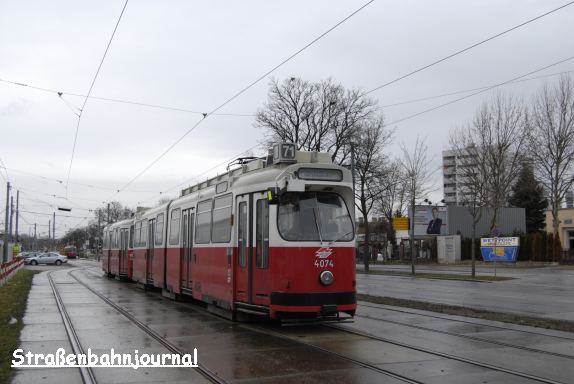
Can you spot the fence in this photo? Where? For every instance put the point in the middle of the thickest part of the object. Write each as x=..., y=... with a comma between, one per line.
x=9, y=269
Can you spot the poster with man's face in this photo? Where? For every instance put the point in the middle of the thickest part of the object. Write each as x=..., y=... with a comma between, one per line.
x=430, y=220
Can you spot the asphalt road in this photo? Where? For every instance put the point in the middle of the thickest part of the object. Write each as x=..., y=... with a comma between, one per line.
x=545, y=292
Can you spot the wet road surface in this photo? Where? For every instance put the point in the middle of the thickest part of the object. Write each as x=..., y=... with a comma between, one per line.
x=269, y=353
x=543, y=292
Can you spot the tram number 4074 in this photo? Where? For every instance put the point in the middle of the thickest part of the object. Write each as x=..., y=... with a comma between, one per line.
x=324, y=263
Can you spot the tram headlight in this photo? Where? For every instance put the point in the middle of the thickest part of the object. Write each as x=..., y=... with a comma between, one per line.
x=326, y=278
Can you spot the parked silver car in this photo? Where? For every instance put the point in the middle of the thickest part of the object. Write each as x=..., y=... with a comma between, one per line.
x=26, y=255
x=46, y=258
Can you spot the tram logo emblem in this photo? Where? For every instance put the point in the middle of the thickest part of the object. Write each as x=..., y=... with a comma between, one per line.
x=323, y=252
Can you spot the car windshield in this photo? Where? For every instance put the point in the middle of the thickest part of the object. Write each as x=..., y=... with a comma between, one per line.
x=314, y=216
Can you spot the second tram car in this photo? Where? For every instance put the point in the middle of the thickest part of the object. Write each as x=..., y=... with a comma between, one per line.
x=273, y=237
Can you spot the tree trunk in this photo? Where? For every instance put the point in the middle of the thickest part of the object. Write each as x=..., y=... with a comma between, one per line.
x=366, y=252
x=472, y=249
x=412, y=236
x=555, y=228
x=494, y=217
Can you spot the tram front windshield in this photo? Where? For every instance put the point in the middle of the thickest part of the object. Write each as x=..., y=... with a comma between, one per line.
x=314, y=216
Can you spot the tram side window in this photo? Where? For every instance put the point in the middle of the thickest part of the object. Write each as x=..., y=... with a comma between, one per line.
x=174, y=227
x=221, y=232
x=131, y=241
x=144, y=233
x=203, y=226
x=137, y=233
x=242, y=235
x=262, y=234
x=116, y=238
x=105, y=241
x=159, y=229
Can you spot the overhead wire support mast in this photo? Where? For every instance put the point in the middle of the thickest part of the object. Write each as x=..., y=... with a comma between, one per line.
x=90, y=91
x=242, y=91
x=468, y=48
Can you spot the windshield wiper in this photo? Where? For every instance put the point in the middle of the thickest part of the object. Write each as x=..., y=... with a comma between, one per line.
x=339, y=238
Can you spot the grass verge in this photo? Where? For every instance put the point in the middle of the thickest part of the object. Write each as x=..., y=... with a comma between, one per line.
x=438, y=276
x=13, y=297
x=533, y=321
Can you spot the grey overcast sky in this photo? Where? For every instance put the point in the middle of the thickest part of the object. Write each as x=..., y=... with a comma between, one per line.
x=196, y=54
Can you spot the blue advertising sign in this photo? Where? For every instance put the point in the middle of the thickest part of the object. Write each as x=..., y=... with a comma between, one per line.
x=504, y=249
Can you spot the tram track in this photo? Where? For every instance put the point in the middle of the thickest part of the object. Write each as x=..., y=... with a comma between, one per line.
x=467, y=337
x=86, y=373
x=404, y=311
x=447, y=355
x=204, y=371
x=386, y=372
x=260, y=330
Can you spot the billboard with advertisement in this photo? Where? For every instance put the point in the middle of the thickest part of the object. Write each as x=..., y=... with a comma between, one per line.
x=430, y=220
x=499, y=248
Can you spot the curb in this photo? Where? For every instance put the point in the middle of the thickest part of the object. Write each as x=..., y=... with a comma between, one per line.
x=506, y=317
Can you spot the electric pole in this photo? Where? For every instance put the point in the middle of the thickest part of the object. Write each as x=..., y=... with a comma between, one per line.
x=35, y=243
x=49, y=231
x=17, y=214
x=54, y=229
x=6, y=224
x=11, y=217
x=98, y=236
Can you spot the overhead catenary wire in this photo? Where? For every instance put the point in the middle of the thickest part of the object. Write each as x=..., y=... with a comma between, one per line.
x=50, y=214
x=479, y=92
x=196, y=177
x=468, y=48
x=241, y=92
x=72, y=183
x=470, y=90
x=90, y=91
x=122, y=101
x=7, y=178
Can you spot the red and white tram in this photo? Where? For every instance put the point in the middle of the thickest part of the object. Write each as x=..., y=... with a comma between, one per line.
x=271, y=237
x=117, y=249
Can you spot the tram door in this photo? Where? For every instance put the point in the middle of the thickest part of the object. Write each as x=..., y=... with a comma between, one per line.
x=252, y=276
x=123, y=262
x=187, y=252
x=108, y=246
x=150, y=251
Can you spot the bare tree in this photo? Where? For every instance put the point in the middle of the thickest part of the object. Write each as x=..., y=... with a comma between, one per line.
x=112, y=212
x=417, y=172
x=319, y=116
x=499, y=134
x=392, y=200
x=369, y=168
x=471, y=187
x=488, y=157
x=552, y=142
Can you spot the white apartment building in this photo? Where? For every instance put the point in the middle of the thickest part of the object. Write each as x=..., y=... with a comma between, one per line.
x=449, y=177
x=453, y=181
